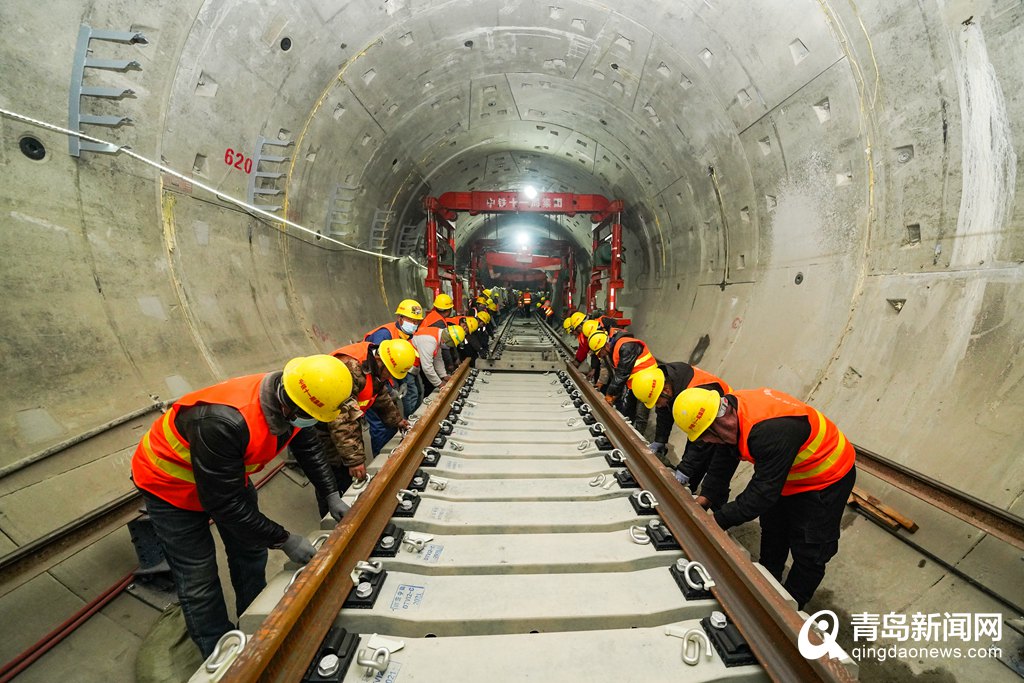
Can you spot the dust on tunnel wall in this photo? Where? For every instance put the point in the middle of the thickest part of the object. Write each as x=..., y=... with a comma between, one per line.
x=807, y=112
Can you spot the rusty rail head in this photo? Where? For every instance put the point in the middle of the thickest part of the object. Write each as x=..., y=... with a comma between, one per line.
x=285, y=643
x=999, y=523
x=769, y=625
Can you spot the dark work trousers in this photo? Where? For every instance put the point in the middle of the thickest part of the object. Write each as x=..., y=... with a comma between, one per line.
x=411, y=399
x=344, y=480
x=806, y=525
x=191, y=554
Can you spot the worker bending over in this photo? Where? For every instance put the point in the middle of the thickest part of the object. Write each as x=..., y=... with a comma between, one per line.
x=429, y=342
x=656, y=388
x=194, y=464
x=627, y=356
x=409, y=316
x=372, y=368
x=803, y=474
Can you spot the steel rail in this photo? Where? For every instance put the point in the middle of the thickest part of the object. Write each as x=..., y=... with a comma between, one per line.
x=287, y=640
x=769, y=625
x=980, y=514
x=992, y=520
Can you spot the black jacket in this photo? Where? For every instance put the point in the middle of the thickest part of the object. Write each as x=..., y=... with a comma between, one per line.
x=628, y=353
x=677, y=378
x=217, y=436
x=773, y=444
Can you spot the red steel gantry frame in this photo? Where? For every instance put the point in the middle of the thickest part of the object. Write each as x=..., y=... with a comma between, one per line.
x=605, y=213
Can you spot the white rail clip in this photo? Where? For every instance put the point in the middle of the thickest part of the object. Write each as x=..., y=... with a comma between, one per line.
x=361, y=483
x=583, y=445
x=376, y=661
x=707, y=583
x=224, y=653
x=572, y=422
x=638, y=534
x=371, y=567
x=599, y=480
x=647, y=499
x=455, y=446
x=416, y=542
x=437, y=483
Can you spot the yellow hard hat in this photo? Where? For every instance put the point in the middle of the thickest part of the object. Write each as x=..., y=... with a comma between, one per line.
x=576, y=318
x=481, y=299
x=484, y=316
x=443, y=302
x=589, y=327
x=567, y=323
x=410, y=308
x=398, y=356
x=487, y=292
x=457, y=334
x=492, y=306
x=318, y=385
x=597, y=341
x=472, y=325
x=695, y=409
x=647, y=385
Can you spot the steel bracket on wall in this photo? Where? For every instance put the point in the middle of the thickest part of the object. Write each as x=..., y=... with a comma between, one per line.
x=257, y=189
x=78, y=89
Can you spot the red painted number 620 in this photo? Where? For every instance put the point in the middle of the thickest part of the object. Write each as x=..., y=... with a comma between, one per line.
x=238, y=160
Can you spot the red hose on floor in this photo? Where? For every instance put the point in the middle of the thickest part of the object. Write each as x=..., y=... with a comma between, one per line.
x=14, y=667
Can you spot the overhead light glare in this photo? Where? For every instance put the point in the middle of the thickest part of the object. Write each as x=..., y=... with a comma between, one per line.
x=530, y=191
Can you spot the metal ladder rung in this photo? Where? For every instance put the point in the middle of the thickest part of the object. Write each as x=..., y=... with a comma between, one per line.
x=96, y=146
x=112, y=64
x=273, y=158
x=98, y=120
x=263, y=191
x=268, y=174
x=100, y=91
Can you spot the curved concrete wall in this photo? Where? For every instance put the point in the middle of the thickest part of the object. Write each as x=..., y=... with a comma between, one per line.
x=826, y=190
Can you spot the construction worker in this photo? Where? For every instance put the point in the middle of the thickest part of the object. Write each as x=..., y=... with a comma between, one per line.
x=656, y=388
x=409, y=316
x=628, y=356
x=475, y=345
x=439, y=317
x=428, y=342
x=194, y=464
x=804, y=472
x=486, y=325
x=372, y=368
x=576, y=321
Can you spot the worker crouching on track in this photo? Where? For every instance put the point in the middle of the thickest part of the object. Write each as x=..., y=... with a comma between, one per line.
x=194, y=465
x=372, y=368
x=656, y=388
x=804, y=472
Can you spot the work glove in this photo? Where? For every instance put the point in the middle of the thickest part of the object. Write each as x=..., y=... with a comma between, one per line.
x=337, y=506
x=681, y=478
x=610, y=400
x=298, y=549
x=657, y=447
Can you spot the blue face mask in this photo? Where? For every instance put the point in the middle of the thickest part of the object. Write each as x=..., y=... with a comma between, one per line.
x=302, y=422
x=408, y=326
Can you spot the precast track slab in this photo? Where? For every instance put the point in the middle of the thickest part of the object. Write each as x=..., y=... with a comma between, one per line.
x=526, y=567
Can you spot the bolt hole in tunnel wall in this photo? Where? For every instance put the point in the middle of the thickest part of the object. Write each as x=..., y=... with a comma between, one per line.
x=791, y=168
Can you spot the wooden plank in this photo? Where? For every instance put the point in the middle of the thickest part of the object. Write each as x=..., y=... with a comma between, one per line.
x=905, y=522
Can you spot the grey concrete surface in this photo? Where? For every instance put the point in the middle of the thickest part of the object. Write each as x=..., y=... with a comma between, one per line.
x=869, y=147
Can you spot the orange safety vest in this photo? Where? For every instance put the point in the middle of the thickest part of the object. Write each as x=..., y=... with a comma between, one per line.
x=390, y=327
x=704, y=379
x=643, y=361
x=361, y=351
x=434, y=332
x=433, y=319
x=824, y=458
x=162, y=463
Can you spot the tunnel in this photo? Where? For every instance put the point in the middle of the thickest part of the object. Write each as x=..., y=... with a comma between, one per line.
x=819, y=196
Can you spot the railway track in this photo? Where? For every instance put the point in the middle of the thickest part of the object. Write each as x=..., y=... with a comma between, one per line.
x=521, y=531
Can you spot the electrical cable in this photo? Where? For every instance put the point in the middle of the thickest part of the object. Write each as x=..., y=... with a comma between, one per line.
x=220, y=195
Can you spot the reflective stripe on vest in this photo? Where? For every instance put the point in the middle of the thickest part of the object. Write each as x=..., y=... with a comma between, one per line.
x=643, y=361
x=433, y=319
x=162, y=462
x=823, y=459
x=434, y=332
x=360, y=351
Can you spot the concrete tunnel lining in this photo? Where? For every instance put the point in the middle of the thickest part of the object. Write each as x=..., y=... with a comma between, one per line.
x=870, y=149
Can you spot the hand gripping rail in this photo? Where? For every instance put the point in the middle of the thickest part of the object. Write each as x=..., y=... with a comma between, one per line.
x=283, y=646
x=769, y=625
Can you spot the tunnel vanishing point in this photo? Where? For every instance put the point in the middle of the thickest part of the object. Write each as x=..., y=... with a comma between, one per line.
x=820, y=196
